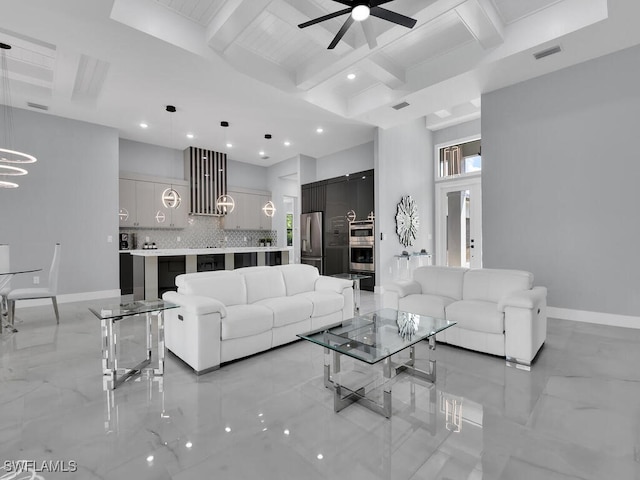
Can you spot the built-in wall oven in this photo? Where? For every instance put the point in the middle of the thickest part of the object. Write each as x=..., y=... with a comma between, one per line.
x=361, y=246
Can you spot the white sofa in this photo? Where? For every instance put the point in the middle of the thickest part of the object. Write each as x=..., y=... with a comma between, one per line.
x=497, y=311
x=230, y=314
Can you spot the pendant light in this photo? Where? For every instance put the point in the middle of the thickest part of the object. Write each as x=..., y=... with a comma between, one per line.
x=225, y=203
x=9, y=157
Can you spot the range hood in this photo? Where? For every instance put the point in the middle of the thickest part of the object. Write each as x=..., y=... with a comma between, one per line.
x=207, y=174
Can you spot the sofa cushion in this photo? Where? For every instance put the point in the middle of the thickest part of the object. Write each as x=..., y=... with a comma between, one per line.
x=324, y=303
x=226, y=286
x=246, y=320
x=476, y=315
x=492, y=284
x=429, y=305
x=287, y=310
x=264, y=283
x=299, y=278
x=442, y=281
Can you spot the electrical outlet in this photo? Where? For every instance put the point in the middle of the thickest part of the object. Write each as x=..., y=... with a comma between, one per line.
x=36, y=280
x=110, y=239
x=429, y=237
x=146, y=239
x=179, y=239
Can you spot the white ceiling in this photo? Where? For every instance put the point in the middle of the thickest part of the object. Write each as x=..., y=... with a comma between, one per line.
x=118, y=63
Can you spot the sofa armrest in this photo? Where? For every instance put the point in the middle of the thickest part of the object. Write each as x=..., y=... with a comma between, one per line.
x=192, y=332
x=404, y=288
x=196, y=304
x=333, y=284
x=528, y=299
x=525, y=324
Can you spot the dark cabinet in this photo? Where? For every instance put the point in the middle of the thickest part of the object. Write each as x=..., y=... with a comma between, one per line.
x=169, y=267
x=210, y=263
x=132, y=275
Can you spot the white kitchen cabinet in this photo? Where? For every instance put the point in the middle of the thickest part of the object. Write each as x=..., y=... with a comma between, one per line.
x=265, y=220
x=248, y=214
x=142, y=200
x=145, y=205
x=167, y=216
x=127, y=214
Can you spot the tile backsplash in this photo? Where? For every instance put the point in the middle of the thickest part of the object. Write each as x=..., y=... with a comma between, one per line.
x=201, y=232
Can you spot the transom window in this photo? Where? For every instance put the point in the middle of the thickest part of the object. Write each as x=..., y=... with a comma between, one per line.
x=456, y=160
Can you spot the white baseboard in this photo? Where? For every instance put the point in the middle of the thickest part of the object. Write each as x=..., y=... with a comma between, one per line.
x=70, y=297
x=609, y=319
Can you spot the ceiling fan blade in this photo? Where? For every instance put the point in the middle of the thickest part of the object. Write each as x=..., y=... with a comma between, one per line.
x=393, y=17
x=324, y=17
x=347, y=2
x=367, y=27
x=376, y=3
x=341, y=33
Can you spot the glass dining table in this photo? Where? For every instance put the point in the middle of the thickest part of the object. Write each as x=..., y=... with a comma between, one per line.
x=5, y=278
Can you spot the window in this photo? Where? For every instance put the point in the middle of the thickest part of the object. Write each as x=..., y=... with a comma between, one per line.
x=462, y=159
x=289, y=229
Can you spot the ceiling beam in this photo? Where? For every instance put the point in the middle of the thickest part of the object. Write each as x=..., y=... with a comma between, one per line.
x=234, y=18
x=483, y=22
x=383, y=69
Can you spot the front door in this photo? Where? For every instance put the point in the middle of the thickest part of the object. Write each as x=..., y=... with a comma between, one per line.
x=459, y=223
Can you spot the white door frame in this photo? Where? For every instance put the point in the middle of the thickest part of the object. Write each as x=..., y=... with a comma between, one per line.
x=473, y=183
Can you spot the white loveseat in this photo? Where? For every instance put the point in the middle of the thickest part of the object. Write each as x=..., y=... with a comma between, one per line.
x=497, y=311
x=230, y=314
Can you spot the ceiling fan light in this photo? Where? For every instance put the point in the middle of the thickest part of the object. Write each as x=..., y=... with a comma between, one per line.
x=360, y=13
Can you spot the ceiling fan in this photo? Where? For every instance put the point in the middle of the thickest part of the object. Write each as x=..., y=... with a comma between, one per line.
x=359, y=11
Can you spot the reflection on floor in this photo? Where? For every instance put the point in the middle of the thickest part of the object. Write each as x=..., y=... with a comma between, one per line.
x=576, y=415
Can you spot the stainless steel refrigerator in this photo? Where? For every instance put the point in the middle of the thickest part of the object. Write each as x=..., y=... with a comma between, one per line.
x=311, y=240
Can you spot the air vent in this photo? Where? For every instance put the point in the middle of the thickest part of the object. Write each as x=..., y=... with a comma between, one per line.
x=37, y=105
x=265, y=157
x=547, y=52
x=400, y=106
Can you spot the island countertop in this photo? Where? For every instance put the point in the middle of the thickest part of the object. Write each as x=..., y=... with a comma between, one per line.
x=164, y=252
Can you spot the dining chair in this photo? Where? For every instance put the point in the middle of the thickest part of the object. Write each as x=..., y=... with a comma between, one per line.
x=33, y=293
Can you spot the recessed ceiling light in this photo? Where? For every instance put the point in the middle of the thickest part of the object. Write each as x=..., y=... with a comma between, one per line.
x=229, y=145
x=287, y=143
x=351, y=76
x=190, y=135
x=261, y=153
x=320, y=130
x=144, y=125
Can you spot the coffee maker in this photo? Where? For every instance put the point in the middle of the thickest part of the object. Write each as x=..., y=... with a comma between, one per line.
x=124, y=241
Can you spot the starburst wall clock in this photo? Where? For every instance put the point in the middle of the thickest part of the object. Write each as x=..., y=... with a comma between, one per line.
x=407, y=221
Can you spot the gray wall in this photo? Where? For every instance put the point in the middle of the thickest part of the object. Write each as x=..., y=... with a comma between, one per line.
x=403, y=166
x=560, y=180
x=246, y=175
x=457, y=132
x=147, y=159
x=351, y=160
x=69, y=196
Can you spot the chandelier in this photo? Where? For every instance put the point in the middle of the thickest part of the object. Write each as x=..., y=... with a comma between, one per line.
x=11, y=160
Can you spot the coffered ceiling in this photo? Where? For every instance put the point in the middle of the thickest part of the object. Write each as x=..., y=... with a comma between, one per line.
x=118, y=62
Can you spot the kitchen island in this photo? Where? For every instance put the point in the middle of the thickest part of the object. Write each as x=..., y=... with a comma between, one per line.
x=190, y=260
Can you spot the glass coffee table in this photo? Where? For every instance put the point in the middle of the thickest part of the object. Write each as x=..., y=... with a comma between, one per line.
x=372, y=338
x=110, y=316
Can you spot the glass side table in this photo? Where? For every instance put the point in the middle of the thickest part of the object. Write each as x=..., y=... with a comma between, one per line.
x=355, y=277
x=109, y=316
x=406, y=263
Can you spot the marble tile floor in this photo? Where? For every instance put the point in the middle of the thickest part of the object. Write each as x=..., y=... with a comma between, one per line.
x=575, y=415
